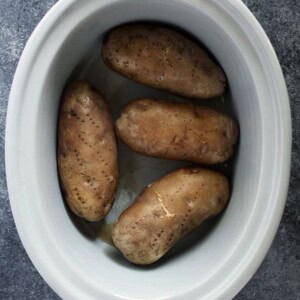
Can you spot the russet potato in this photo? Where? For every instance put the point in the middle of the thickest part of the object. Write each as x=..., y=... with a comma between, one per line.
x=177, y=131
x=167, y=210
x=87, y=152
x=164, y=59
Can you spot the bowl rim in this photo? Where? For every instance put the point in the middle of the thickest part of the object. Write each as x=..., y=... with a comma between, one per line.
x=36, y=39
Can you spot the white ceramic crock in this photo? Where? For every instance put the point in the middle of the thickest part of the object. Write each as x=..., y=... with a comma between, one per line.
x=66, y=44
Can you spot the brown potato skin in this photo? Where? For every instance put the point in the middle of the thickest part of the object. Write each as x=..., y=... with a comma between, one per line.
x=87, y=152
x=174, y=130
x=167, y=210
x=164, y=59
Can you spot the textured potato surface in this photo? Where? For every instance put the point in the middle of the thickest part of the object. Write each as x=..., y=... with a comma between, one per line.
x=87, y=153
x=164, y=59
x=177, y=131
x=167, y=210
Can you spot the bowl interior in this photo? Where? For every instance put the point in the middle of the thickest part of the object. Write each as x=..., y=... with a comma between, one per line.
x=199, y=264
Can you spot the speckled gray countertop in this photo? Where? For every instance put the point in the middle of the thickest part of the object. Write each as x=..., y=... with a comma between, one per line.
x=279, y=275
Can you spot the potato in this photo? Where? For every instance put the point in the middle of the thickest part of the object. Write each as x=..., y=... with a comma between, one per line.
x=87, y=153
x=167, y=210
x=177, y=131
x=164, y=59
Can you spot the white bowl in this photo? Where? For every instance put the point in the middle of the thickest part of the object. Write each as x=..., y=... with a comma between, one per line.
x=65, y=46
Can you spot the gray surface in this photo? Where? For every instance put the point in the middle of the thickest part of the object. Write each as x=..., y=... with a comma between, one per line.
x=278, y=277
